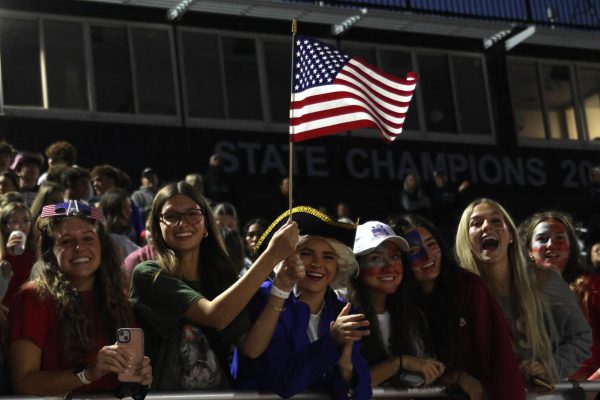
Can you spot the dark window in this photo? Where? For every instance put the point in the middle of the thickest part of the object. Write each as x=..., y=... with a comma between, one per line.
x=153, y=71
x=398, y=63
x=112, y=69
x=470, y=87
x=65, y=65
x=526, y=100
x=556, y=86
x=20, y=51
x=278, y=59
x=241, y=75
x=589, y=83
x=203, y=82
x=437, y=93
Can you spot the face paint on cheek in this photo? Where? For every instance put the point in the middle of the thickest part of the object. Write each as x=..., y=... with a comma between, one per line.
x=419, y=257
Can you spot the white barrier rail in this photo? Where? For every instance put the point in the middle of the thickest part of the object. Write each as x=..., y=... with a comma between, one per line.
x=562, y=391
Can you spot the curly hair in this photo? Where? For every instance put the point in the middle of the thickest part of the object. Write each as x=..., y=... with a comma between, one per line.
x=75, y=325
x=62, y=151
x=215, y=268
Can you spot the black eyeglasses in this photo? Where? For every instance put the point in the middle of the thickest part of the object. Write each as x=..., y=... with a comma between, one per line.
x=192, y=217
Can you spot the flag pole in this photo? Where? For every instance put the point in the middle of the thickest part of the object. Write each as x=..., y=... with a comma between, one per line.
x=291, y=144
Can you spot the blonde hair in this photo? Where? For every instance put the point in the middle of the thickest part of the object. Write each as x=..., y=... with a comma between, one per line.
x=524, y=284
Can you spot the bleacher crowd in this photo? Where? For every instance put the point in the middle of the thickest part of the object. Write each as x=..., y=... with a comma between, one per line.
x=439, y=292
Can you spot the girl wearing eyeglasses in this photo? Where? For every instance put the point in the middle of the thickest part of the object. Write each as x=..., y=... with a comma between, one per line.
x=189, y=302
x=15, y=217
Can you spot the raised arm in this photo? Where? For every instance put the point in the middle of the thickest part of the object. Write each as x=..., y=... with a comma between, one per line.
x=219, y=312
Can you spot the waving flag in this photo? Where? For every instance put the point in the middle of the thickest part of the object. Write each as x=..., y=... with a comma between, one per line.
x=333, y=92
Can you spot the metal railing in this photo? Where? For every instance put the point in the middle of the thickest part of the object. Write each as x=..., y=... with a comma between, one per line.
x=563, y=390
x=574, y=14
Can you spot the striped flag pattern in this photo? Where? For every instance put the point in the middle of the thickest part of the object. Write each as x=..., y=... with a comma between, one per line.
x=72, y=208
x=333, y=92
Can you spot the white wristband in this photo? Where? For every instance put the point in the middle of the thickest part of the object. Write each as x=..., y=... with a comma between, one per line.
x=275, y=291
x=82, y=378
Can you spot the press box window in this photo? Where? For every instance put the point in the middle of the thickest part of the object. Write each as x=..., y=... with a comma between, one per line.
x=241, y=77
x=20, y=53
x=589, y=87
x=399, y=63
x=112, y=69
x=278, y=57
x=526, y=99
x=65, y=65
x=154, y=71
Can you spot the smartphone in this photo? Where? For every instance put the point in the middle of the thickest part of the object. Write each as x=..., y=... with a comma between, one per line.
x=412, y=379
x=132, y=340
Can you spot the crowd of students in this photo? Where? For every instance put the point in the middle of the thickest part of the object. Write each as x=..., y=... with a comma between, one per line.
x=306, y=302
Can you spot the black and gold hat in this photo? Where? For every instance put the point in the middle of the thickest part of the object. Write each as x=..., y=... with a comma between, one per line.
x=310, y=222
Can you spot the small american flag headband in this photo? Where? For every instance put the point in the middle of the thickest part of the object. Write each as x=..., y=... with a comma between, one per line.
x=72, y=208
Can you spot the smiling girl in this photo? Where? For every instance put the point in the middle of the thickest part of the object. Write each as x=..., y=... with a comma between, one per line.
x=189, y=302
x=16, y=217
x=395, y=345
x=466, y=328
x=316, y=340
x=550, y=240
x=550, y=335
x=64, y=321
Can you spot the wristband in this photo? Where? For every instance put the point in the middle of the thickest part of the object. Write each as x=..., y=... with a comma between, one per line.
x=79, y=371
x=282, y=294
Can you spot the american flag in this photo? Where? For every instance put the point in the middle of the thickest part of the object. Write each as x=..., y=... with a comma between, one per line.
x=333, y=92
x=72, y=208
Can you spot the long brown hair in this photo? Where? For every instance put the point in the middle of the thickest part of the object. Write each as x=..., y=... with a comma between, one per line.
x=215, y=269
x=75, y=325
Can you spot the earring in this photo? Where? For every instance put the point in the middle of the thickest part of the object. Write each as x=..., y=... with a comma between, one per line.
x=205, y=234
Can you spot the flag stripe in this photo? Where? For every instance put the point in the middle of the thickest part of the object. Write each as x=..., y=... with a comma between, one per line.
x=305, y=110
x=343, y=89
x=341, y=119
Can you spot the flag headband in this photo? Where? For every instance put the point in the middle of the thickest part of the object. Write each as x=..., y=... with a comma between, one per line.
x=72, y=208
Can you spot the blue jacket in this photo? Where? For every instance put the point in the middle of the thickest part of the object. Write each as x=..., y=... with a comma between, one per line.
x=292, y=364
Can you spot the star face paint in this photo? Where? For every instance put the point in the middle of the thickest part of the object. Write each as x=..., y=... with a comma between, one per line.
x=424, y=254
x=382, y=270
x=550, y=245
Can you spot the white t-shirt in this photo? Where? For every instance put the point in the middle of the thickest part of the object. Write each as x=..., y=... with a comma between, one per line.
x=385, y=329
x=313, y=326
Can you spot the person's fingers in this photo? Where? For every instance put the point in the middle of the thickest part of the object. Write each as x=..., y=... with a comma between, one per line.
x=345, y=311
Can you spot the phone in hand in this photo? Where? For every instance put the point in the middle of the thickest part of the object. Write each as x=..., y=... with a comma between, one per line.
x=132, y=340
x=412, y=379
